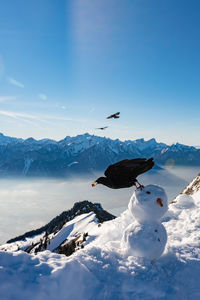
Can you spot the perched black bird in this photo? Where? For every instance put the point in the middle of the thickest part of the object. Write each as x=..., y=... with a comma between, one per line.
x=123, y=173
x=114, y=116
x=102, y=128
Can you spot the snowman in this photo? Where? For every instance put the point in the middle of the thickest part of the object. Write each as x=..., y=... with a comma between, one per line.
x=147, y=236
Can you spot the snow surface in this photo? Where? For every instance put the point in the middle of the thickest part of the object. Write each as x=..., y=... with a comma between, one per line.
x=102, y=271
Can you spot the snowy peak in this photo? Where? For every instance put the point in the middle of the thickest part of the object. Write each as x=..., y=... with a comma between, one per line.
x=4, y=140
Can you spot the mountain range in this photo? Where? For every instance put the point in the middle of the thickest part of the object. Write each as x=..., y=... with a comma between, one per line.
x=84, y=154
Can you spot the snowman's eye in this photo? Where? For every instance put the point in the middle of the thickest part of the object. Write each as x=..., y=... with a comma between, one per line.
x=147, y=192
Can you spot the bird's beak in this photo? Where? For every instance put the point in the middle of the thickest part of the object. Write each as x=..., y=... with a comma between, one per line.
x=94, y=183
x=159, y=201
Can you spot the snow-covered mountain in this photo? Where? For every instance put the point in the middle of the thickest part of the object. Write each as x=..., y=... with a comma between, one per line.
x=5, y=140
x=84, y=153
x=98, y=268
x=55, y=225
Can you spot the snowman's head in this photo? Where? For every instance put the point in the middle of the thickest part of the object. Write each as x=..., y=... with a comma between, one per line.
x=149, y=203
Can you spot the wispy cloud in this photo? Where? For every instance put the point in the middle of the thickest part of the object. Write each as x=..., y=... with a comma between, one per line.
x=16, y=114
x=15, y=82
x=42, y=96
x=20, y=117
x=7, y=98
x=37, y=118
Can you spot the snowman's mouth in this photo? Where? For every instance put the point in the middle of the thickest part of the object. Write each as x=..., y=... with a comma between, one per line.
x=159, y=201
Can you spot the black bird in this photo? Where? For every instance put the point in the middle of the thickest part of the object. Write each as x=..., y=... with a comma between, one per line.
x=114, y=116
x=123, y=173
x=102, y=128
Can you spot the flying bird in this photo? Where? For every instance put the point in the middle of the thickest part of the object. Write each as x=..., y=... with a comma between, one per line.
x=102, y=128
x=114, y=116
x=123, y=173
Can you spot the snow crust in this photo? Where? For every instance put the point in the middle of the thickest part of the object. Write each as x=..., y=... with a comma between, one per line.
x=102, y=271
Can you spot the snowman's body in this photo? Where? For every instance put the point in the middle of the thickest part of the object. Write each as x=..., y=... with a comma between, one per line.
x=147, y=238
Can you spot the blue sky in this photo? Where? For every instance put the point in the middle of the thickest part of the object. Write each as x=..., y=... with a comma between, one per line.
x=66, y=65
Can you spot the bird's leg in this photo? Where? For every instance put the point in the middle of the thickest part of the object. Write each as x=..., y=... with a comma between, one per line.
x=140, y=185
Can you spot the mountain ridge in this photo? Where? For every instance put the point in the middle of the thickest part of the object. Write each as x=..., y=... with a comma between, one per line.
x=57, y=223
x=84, y=154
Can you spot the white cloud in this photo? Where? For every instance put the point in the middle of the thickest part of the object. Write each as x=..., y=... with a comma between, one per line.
x=7, y=98
x=42, y=96
x=15, y=82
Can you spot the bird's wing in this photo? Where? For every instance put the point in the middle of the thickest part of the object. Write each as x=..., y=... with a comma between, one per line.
x=144, y=167
x=114, y=115
x=129, y=168
x=114, y=167
x=121, y=168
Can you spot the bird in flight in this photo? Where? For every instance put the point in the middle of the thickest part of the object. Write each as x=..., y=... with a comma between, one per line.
x=123, y=173
x=102, y=128
x=114, y=116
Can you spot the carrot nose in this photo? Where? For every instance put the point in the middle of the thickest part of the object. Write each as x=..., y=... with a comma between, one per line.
x=159, y=201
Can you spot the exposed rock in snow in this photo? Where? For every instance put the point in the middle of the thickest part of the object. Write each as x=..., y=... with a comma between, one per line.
x=193, y=187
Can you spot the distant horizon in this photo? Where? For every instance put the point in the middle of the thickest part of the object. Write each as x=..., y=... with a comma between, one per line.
x=107, y=137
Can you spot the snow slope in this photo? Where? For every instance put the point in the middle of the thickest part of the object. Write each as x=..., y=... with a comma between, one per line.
x=102, y=271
